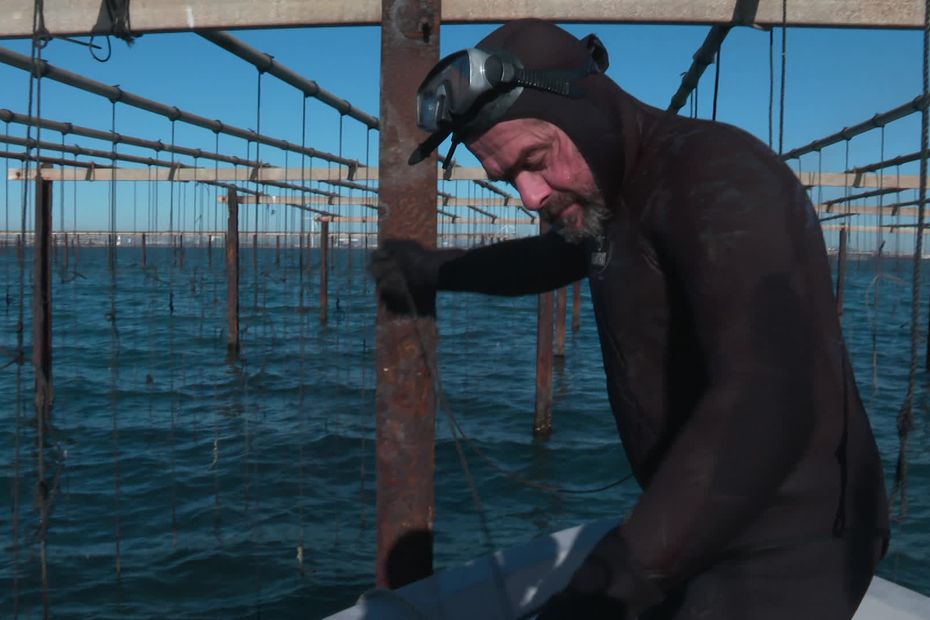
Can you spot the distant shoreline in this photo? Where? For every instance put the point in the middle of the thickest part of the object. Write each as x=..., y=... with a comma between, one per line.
x=203, y=239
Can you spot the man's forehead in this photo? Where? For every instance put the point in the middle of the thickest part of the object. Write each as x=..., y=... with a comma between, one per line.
x=502, y=144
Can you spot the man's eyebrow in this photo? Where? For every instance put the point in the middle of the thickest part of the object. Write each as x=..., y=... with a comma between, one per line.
x=509, y=172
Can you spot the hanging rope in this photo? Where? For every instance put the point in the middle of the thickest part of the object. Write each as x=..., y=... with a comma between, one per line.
x=716, y=82
x=784, y=55
x=44, y=491
x=258, y=130
x=771, y=83
x=905, y=421
x=114, y=352
x=877, y=280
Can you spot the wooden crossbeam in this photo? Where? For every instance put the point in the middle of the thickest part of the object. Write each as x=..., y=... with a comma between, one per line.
x=83, y=17
x=241, y=173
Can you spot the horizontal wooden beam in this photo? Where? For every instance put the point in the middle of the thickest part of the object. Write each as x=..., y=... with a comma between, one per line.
x=244, y=174
x=887, y=230
x=83, y=17
x=367, y=201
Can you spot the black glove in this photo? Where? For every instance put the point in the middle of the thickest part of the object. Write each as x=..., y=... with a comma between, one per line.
x=608, y=584
x=570, y=605
x=407, y=275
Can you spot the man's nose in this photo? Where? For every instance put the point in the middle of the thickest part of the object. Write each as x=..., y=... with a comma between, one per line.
x=533, y=190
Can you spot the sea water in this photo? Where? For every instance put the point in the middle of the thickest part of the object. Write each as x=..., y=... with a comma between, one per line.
x=186, y=483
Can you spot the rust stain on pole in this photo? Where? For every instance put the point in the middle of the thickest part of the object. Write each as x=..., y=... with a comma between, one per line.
x=841, y=272
x=576, y=306
x=324, y=271
x=406, y=346
x=561, y=303
x=542, y=417
x=232, y=273
x=42, y=306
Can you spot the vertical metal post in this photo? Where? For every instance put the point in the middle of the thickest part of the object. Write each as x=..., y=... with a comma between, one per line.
x=561, y=303
x=255, y=264
x=42, y=360
x=277, y=250
x=66, y=250
x=349, y=254
x=42, y=304
x=232, y=272
x=576, y=306
x=255, y=254
x=144, y=257
x=324, y=271
x=841, y=272
x=406, y=345
x=542, y=417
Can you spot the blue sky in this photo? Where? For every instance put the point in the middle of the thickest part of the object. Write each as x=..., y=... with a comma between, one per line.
x=834, y=78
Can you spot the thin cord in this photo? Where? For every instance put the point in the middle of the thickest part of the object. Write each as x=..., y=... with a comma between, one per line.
x=716, y=83
x=784, y=52
x=771, y=83
x=905, y=421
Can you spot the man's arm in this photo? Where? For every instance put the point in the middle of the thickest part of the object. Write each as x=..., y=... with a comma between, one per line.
x=516, y=267
x=408, y=274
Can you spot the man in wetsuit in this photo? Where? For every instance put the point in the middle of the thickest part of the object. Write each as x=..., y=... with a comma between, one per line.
x=763, y=495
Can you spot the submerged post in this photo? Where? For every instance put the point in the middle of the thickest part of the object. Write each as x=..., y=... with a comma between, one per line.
x=324, y=271
x=542, y=416
x=232, y=272
x=576, y=306
x=67, y=251
x=561, y=303
x=42, y=305
x=841, y=272
x=406, y=345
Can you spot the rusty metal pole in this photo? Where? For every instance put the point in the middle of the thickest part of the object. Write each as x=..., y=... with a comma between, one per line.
x=42, y=305
x=324, y=271
x=841, y=272
x=561, y=303
x=232, y=272
x=542, y=417
x=576, y=306
x=42, y=360
x=405, y=399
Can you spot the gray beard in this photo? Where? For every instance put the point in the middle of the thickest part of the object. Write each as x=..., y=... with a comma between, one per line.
x=594, y=214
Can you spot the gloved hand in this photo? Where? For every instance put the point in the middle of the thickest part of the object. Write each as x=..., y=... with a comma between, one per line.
x=407, y=276
x=569, y=605
x=608, y=584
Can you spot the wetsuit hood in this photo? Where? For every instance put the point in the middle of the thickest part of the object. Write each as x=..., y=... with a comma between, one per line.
x=593, y=119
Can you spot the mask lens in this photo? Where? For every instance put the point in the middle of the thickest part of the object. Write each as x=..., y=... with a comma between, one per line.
x=446, y=92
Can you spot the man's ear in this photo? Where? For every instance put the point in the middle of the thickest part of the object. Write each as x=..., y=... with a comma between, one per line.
x=598, y=51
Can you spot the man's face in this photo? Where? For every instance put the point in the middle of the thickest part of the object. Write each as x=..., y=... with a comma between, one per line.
x=545, y=167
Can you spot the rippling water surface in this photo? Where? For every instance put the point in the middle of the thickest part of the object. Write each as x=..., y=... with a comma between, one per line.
x=188, y=485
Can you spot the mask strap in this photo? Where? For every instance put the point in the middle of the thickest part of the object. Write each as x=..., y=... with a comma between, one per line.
x=448, y=160
x=555, y=81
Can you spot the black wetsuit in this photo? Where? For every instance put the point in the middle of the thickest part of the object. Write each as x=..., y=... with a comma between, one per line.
x=763, y=494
